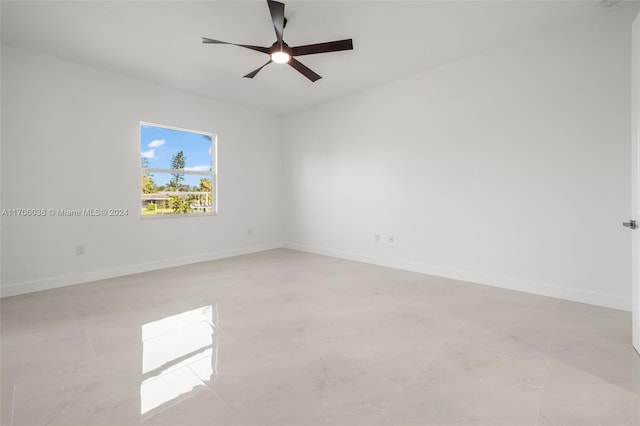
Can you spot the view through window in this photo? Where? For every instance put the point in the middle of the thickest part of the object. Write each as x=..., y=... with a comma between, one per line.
x=177, y=171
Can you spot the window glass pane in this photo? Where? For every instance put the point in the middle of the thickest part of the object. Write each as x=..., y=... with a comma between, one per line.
x=177, y=171
x=164, y=148
x=160, y=195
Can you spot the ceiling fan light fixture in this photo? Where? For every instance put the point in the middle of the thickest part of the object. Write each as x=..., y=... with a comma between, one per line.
x=280, y=57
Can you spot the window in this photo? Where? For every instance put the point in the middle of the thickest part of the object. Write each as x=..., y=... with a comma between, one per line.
x=178, y=172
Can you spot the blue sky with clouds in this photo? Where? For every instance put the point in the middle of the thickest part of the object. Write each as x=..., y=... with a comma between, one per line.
x=159, y=144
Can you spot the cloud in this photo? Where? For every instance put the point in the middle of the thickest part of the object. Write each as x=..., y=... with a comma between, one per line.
x=148, y=154
x=156, y=143
x=204, y=168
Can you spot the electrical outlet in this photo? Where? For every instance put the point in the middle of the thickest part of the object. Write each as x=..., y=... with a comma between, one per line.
x=80, y=250
x=376, y=238
x=390, y=239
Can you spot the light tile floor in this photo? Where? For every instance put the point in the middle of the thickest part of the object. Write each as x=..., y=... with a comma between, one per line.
x=289, y=338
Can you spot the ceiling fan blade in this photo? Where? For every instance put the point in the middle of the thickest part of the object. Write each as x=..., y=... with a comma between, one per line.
x=277, y=16
x=330, y=46
x=248, y=46
x=302, y=69
x=254, y=72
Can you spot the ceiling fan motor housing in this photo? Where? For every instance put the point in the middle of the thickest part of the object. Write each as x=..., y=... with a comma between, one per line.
x=280, y=47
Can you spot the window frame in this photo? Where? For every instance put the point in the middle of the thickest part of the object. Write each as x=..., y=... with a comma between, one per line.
x=213, y=174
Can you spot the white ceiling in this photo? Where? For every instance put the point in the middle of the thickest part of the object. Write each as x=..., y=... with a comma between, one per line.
x=160, y=41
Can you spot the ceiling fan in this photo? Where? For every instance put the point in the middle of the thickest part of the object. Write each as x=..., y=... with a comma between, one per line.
x=281, y=53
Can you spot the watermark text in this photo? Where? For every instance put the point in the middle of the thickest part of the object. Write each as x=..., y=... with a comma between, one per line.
x=57, y=212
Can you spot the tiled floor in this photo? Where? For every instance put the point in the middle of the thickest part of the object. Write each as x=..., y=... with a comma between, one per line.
x=283, y=338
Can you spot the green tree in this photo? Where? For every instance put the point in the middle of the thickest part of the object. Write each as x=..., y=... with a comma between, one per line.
x=148, y=185
x=179, y=204
x=205, y=185
x=178, y=161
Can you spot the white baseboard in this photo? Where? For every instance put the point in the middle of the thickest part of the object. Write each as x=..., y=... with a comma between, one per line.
x=533, y=287
x=85, y=277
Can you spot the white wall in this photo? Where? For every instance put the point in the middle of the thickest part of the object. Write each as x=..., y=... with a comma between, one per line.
x=70, y=139
x=509, y=168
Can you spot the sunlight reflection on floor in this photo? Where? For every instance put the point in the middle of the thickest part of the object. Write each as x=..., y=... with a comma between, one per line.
x=179, y=353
